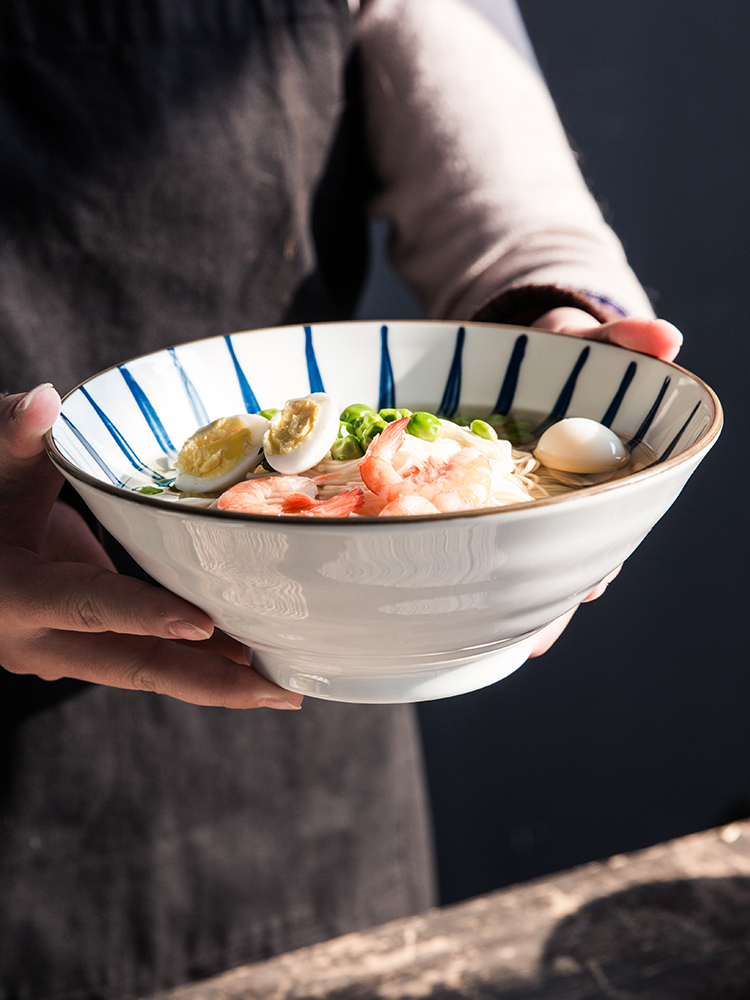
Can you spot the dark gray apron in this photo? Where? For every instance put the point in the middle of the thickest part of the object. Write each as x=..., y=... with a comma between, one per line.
x=171, y=170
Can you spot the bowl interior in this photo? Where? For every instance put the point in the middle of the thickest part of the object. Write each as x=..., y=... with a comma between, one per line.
x=124, y=427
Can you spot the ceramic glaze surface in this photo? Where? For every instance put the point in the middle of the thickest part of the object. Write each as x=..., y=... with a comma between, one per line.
x=388, y=609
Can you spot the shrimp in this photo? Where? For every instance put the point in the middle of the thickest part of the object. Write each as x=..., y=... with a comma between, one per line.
x=461, y=482
x=408, y=503
x=288, y=495
x=265, y=494
x=339, y=505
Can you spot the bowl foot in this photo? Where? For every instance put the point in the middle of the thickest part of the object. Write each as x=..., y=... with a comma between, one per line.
x=443, y=680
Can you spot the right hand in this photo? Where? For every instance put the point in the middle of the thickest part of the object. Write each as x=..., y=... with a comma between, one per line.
x=66, y=612
x=649, y=336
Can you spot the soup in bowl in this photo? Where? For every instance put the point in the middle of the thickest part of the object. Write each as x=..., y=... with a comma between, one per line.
x=347, y=599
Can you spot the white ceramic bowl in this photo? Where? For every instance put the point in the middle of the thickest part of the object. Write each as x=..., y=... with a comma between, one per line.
x=383, y=609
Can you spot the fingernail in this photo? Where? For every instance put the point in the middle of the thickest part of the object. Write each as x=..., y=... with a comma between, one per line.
x=186, y=630
x=673, y=328
x=279, y=703
x=24, y=401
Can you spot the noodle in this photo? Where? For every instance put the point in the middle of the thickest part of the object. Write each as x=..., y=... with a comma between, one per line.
x=512, y=471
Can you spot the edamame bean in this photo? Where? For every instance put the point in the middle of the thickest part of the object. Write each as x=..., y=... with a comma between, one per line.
x=483, y=430
x=389, y=415
x=346, y=448
x=425, y=426
x=367, y=426
x=350, y=414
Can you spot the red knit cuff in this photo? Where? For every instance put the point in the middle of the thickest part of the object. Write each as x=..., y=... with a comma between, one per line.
x=522, y=305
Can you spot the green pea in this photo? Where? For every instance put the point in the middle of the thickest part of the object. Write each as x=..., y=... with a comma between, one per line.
x=483, y=430
x=350, y=414
x=345, y=430
x=389, y=415
x=425, y=426
x=268, y=414
x=346, y=448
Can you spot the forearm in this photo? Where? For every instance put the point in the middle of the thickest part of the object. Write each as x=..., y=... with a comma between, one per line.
x=477, y=178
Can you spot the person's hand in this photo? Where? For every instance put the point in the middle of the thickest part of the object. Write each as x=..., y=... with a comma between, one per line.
x=650, y=336
x=66, y=612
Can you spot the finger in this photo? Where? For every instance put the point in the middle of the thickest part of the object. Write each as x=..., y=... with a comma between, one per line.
x=24, y=420
x=649, y=336
x=547, y=636
x=29, y=482
x=78, y=597
x=599, y=590
x=137, y=663
x=224, y=645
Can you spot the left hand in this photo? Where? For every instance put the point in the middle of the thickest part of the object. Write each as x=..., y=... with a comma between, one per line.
x=650, y=336
x=66, y=612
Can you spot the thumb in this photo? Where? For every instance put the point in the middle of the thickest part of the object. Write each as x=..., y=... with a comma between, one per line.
x=29, y=482
x=649, y=336
x=24, y=420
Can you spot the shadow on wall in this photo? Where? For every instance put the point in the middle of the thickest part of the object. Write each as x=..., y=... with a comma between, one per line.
x=685, y=939
x=674, y=940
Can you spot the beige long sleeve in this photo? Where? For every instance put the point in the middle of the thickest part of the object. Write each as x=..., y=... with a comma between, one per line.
x=478, y=180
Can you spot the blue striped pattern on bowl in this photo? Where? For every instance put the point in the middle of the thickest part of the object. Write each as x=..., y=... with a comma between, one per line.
x=124, y=426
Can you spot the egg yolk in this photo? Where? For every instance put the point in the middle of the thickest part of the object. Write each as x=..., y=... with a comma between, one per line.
x=291, y=426
x=216, y=449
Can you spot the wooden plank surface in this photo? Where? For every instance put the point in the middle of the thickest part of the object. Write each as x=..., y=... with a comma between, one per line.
x=668, y=923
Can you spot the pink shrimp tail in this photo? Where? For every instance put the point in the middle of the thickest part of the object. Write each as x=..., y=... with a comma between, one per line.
x=390, y=438
x=298, y=503
x=340, y=505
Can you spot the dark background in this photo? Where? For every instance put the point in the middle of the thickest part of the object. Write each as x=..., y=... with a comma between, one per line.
x=635, y=727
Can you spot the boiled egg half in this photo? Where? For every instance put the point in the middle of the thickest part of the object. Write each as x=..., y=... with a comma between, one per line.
x=301, y=434
x=220, y=454
x=577, y=444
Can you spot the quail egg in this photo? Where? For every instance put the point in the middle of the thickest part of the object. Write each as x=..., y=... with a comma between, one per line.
x=220, y=454
x=577, y=444
x=301, y=434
